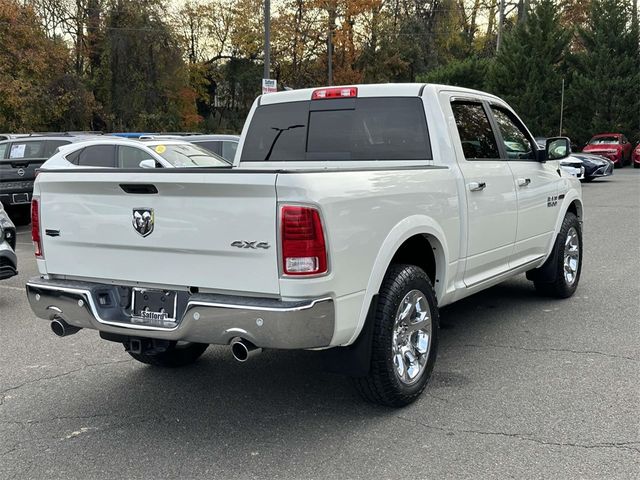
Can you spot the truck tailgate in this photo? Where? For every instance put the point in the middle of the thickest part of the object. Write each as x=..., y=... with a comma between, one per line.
x=196, y=217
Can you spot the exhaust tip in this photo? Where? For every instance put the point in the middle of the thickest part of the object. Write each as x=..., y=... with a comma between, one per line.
x=242, y=349
x=62, y=328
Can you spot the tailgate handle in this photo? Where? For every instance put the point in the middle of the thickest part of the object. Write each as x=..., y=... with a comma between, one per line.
x=139, y=188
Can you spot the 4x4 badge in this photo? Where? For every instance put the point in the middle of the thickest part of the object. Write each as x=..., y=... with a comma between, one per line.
x=143, y=221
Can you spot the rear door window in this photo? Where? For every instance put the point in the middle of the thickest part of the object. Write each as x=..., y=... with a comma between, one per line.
x=97, y=156
x=393, y=128
x=476, y=135
x=3, y=150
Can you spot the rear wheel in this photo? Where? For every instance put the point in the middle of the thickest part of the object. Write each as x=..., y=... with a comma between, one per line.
x=405, y=338
x=567, y=256
x=177, y=354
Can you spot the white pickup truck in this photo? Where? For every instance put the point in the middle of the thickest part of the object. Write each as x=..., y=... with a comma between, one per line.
x=350, y=214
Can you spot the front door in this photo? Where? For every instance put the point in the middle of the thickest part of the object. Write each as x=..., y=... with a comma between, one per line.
x=536, y=186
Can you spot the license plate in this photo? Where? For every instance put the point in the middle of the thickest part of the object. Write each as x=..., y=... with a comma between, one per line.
x=153, y=307
x=17, y=198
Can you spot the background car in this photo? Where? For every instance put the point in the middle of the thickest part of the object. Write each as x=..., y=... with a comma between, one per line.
x=594, y=165
x=124, y=153
x=223, y=145
x=613, y=146
x=635, y=156
x=19, y=159
x=8, y=260
x=571, y=165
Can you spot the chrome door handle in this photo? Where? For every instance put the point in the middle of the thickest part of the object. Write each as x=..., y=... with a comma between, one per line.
x=477, y=186
x=523, y=182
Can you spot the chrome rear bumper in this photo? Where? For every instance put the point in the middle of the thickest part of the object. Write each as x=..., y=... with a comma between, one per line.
x=205, y=318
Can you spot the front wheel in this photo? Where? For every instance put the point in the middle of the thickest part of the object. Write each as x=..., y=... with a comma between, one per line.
x=405, y=338
x=567, y=256
x=177, y=354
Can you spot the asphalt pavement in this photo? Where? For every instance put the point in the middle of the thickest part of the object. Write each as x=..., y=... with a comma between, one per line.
x=524, y=387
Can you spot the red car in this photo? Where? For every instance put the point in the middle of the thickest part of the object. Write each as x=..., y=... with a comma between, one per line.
x=635, y=156
x=613, y=146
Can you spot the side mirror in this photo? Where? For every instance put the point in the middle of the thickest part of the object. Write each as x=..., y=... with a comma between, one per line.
x=148, y=163
x=558, y=148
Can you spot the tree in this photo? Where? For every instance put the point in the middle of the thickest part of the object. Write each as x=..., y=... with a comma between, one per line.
x=32, y=67
x=469, y=73
x=604, y=94
x=142, y=81
x=527, y=71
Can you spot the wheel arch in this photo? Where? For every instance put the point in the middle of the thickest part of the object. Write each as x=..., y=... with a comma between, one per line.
x=405, y=244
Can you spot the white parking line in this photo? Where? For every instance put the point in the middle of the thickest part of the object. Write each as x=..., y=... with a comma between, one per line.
x=12, y=288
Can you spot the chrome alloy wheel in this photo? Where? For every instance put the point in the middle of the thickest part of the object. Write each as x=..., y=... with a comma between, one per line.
x=571, y=256
x=411, y=337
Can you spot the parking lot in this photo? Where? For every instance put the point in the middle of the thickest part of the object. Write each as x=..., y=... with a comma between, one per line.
x=524, y=387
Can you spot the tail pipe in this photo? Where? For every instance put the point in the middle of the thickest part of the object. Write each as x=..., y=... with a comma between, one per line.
x=62, y=328
x=243, y=349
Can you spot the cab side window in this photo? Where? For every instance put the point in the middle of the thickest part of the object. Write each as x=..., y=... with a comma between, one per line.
x=476, y=134
x=516, y=141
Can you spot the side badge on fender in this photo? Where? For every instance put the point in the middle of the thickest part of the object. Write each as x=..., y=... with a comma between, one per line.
x=143, y=221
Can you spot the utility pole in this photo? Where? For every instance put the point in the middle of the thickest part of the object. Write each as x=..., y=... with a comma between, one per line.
x=267, y=38
x=500, y=24
x=332, y=21
x=561, y=107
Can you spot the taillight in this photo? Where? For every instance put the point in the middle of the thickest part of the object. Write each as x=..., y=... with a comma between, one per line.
x=35, y=227
x=334, y=92
x=303, y=247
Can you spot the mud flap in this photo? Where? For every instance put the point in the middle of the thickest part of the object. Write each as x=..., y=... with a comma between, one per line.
x=354, y=360
x=548, y=272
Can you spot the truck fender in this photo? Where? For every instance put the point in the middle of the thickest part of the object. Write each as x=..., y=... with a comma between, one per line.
x=405, y=229
x=570, y=197
x=548, y=269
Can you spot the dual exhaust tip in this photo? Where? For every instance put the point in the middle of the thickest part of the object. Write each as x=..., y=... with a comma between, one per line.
x=241, y=349
x=62, y=328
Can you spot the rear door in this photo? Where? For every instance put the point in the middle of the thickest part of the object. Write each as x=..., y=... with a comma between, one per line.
x=181, y=228
x=536, y=186
x=490, y=193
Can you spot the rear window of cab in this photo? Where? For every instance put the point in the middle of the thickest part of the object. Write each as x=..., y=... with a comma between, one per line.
x=389, y=128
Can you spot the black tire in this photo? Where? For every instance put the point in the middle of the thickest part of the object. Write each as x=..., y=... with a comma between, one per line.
x=557, y=285
x=382, y=385
x=177, y=355
x=589, y=179
x=636, y=165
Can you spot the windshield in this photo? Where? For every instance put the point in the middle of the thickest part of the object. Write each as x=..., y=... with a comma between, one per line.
x=603, y=140
x=187, y=155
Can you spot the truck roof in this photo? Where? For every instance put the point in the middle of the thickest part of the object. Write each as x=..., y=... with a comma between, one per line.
x=369, y=90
